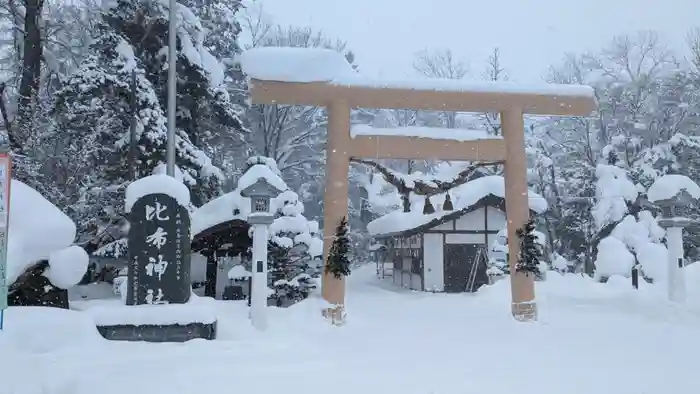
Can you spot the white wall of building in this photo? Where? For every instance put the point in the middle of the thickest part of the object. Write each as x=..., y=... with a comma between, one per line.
x=464, y=238
x=473, y=221
x=496, y=219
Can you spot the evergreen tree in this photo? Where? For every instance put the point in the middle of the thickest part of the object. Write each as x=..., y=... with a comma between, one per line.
x=228, y=150
x=338, y=258
x=93, y=113
x=530, y=254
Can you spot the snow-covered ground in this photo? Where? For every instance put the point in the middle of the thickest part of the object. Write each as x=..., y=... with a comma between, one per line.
x=591, y=338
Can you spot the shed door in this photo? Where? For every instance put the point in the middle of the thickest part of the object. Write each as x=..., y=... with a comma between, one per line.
x=433, y=262
x=459, y=262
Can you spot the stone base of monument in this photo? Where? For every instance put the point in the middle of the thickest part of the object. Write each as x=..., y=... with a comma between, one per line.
x=152, y=323
x=159, y=333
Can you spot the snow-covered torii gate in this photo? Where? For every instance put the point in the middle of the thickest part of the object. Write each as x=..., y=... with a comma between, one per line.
x=320, y=77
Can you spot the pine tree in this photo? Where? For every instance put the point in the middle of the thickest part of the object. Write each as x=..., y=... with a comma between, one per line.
x=530, y=254
x=227, y=147
x=338, y=258
x=93, y=113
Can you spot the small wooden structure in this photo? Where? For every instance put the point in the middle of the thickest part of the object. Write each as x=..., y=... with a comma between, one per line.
x=446, y=252
x=320, y=77
x=228, y=240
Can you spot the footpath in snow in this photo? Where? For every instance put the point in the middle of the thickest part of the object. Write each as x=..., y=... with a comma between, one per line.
x=591, y=338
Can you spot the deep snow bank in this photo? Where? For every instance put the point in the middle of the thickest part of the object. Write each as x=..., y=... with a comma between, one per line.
x=37, y=228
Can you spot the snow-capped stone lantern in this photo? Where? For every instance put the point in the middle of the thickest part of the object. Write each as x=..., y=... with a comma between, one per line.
x=260, y=217
x=675, y=195
x=260, y=193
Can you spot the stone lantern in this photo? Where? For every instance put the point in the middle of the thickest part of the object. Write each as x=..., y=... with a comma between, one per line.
x=675, y=211
x=260, y=217
x=675, y=216
x=260, y=194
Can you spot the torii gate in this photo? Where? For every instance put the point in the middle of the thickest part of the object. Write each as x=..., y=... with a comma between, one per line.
x=320, y=77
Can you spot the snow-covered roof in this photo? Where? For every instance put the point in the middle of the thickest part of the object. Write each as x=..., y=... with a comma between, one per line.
x=463, y=197
x=230, y=206
x=434, y=133
x=668, y=186
x=304, y=65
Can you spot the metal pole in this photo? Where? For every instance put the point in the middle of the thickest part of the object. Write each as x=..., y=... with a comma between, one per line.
x=172, y=91
x=132, y=131
x=5, y=180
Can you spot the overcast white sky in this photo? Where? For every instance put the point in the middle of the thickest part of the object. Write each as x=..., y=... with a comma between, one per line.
x=532, y=34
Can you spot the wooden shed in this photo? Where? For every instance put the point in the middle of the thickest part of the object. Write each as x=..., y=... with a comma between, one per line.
x=448, y=250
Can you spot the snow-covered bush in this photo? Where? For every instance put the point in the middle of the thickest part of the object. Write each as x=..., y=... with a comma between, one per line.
x=613, y=258
x=67, y=266
x=41, y=263
x=295, y=249
x=613, y=191
x=560, y=264
x=629, y=238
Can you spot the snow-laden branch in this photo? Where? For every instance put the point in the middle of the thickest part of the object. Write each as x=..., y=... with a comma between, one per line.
x=422, y=187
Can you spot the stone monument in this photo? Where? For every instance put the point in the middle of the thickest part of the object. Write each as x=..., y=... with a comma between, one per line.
x=159, y=306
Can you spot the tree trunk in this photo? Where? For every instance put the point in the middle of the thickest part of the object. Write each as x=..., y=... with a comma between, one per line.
x=31, y=72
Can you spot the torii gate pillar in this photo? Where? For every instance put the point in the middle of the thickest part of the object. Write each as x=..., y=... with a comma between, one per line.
x=335, y=201
x=517, y=212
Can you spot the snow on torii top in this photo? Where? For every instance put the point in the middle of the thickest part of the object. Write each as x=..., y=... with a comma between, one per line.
x=307, y=65
x=434, y=133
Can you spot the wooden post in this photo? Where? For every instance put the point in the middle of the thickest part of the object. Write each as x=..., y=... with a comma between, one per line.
x=517, y=212
x=335, y=202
